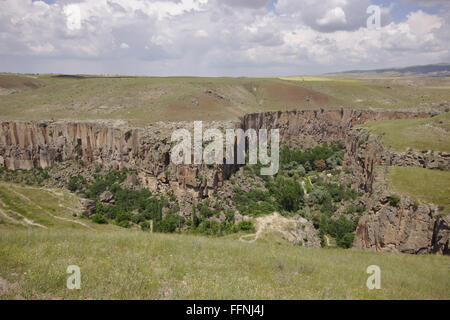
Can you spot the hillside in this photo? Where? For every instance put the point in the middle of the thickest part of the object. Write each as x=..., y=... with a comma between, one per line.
x=144, y=100
x=440, y=69
x=127, y=264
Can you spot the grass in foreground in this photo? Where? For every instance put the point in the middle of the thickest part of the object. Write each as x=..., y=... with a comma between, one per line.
x=136, y=265
x=422, y=185
x=119, y=263
x=420, y=134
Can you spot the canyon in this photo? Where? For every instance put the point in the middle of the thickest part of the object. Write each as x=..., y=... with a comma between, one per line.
x=26, y=145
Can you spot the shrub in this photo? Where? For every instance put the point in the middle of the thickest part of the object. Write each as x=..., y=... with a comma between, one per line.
x=99, y=218
x=288, y=193
x=124, y=224
x=394, y=201
x=346, y=241
x=246, y=226
x=145, y=225
x=170, y=223
x=128, y=135
x=319, y=165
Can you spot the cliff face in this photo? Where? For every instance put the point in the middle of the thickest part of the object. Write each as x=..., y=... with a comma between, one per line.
x=27, y=145
x=410, y=228
x=383, y=228
x=322, y=125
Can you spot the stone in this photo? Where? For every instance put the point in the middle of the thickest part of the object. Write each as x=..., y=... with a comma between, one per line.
x=89, y=207
x=106, y=197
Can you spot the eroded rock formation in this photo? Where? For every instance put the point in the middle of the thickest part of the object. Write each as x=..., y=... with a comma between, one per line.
x=27, y=145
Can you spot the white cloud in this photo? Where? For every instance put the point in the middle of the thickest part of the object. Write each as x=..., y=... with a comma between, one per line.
x=333, y=16
x=212, y=37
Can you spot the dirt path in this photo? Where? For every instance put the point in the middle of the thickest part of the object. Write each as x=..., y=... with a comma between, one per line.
x=24, y=219
x=5, y=286
x=328, y=240
x=273, y=222
x=304, y=189
x=53, y=216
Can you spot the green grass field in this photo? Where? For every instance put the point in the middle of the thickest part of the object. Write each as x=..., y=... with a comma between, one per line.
x=143, y=100
x=420, y=134
x=432, y=186
x=119, y=263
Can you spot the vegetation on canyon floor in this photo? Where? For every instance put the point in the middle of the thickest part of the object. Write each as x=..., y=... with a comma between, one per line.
x=297, y=190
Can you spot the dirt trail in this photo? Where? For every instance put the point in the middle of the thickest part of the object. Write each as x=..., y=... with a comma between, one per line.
x=328, y=240
x=53, y=216
x=274, y=222
x=304, y=189
x=26, y=220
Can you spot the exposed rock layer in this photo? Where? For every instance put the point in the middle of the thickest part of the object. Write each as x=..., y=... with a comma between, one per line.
x=27, y=145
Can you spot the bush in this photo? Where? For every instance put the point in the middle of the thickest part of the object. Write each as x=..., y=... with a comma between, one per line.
x=394, y=201
x=346, y=241
x=246, y=226
x=145, y=225
x=170, y=223
x=319, y=165
x=99, y=218
x=288, y=193
x=124, y=224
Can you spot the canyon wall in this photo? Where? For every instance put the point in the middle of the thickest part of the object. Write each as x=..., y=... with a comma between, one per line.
x=409, y=228
x=322, y=125
x=27, y=145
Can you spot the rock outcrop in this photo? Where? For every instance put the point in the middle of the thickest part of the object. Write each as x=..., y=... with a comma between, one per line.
x=410, y=228
x=322, y=125
x=27, y=145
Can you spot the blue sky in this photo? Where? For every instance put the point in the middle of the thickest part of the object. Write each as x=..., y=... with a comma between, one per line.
x=219, y=37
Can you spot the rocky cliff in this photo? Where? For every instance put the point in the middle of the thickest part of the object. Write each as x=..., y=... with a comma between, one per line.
x=322, y=125
x=27, y=145
x=408, y=228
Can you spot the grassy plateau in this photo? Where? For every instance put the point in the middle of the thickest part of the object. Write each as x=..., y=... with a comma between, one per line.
x=422, y=185
x=143, y=100
x=420, y=134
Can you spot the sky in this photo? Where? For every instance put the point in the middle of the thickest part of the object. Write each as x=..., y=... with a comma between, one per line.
x=219, y=37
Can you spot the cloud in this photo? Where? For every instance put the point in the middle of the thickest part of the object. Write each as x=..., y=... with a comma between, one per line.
x=212, y=37
x=334, y=16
